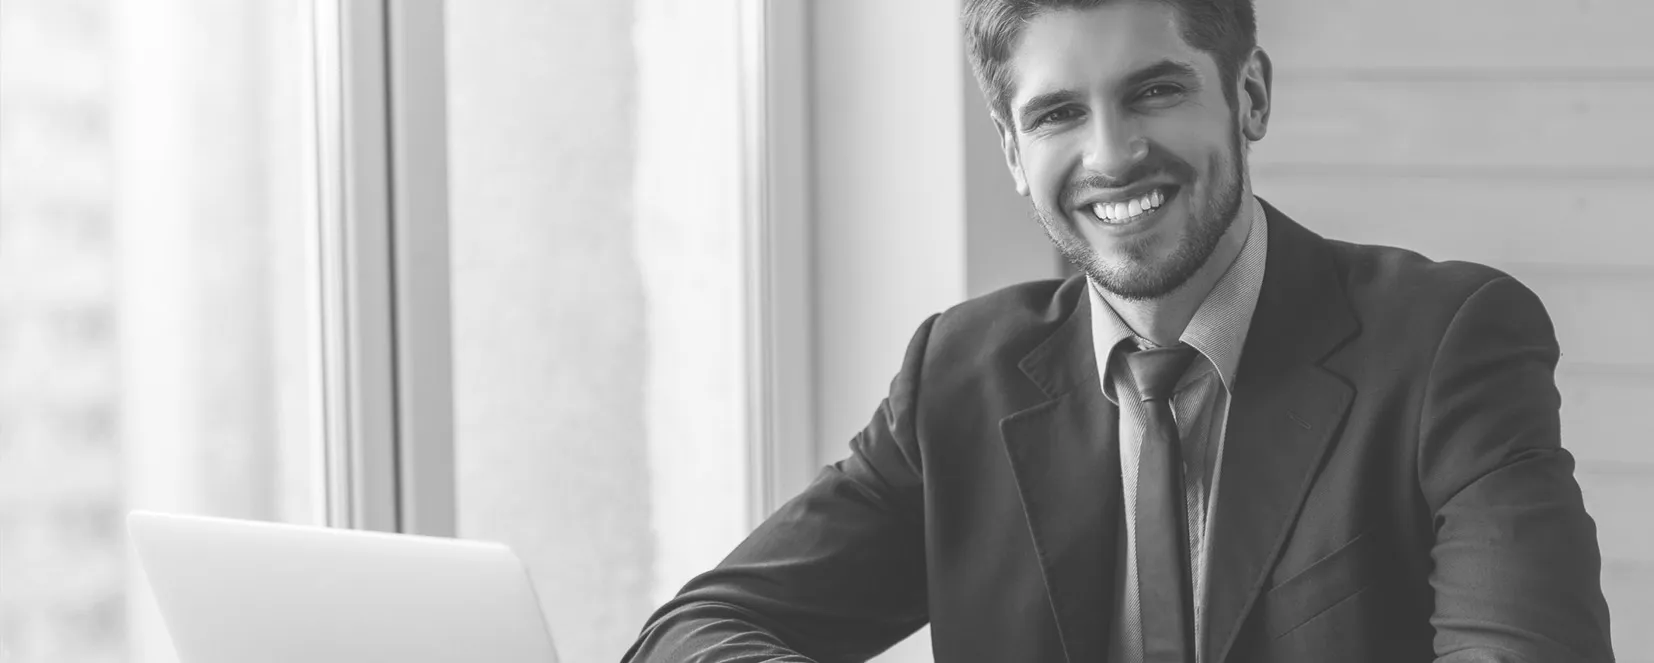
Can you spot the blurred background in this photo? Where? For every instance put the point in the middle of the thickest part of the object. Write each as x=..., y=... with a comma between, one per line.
x=682, y=251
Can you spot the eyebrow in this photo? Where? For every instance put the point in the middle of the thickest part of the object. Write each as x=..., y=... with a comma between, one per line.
x=1161, y=69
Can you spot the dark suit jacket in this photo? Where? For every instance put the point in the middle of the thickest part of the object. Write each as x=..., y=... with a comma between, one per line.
x=1394, y=488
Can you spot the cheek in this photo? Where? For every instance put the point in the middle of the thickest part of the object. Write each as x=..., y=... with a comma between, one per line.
x=1046, y=170
x=1199, y=137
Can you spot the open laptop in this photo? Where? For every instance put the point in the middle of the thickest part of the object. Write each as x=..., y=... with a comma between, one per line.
x=253, y=592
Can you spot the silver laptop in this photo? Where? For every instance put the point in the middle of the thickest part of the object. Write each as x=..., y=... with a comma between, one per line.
x=252, y=592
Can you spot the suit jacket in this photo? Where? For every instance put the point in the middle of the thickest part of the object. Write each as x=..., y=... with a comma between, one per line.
x=1394, y=488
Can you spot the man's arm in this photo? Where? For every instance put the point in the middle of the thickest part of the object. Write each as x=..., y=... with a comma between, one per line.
x=837, y=574
x=1517, y=568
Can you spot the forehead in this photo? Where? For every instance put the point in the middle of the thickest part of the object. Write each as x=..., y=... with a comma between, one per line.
x=1080, y=48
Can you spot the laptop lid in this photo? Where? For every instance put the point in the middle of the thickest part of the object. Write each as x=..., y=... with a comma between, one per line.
x=255, y=592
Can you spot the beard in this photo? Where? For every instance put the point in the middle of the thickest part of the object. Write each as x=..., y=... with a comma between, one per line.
x=1134, y=275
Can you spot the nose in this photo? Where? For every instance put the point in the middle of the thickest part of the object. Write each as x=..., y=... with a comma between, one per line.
x=1114, y=148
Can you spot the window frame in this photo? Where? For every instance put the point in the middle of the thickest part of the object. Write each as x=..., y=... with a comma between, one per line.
x=383, y=238
x=387, y=350
x=780, y=268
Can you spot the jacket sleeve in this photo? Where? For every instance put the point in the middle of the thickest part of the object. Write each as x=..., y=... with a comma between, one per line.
x=1517, y=568
x=836, y=574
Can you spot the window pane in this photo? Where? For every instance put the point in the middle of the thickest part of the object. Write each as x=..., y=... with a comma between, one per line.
x=596, y=235
x=155, y=311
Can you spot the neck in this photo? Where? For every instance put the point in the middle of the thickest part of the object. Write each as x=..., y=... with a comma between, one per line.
x=1162, y=320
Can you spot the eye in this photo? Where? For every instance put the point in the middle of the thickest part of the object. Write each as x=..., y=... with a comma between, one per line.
x=1063, y=114
x=1159, y=91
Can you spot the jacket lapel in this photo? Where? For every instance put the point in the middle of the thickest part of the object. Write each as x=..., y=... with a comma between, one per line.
x=1283, y=413
x=1064, y=454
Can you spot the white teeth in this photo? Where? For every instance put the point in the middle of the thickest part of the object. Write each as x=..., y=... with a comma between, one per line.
x=1116, y=212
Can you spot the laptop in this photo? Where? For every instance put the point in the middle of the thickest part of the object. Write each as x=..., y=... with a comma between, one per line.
x=255, y=592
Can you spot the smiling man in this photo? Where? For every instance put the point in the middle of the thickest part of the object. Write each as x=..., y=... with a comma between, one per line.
x=1228, y=439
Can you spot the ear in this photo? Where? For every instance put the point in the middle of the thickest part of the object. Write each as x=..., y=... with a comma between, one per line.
x=1013, y=156
x=1255, y=79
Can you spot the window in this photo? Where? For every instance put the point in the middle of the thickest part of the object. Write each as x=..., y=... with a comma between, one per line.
x=599, y=275
x=229, y=240
x=156, y=299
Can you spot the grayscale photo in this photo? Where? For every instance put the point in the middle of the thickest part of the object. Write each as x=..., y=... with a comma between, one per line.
x=793, y=331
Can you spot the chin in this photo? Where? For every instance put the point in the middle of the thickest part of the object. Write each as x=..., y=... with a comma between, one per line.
x=1142, y=268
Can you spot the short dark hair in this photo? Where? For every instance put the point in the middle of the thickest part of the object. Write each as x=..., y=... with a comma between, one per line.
x=1226, y=29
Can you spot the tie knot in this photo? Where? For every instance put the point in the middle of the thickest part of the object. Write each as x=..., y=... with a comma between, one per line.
x=1156, y=370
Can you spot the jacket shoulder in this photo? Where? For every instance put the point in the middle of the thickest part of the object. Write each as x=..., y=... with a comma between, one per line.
x=1004, y=325
x=1389, y=266
x=1405, y=283
x=1407, y=303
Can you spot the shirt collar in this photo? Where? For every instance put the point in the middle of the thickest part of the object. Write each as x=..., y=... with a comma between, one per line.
x=1218, y=328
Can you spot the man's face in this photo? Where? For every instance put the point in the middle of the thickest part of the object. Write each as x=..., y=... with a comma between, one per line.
x=1120, y=134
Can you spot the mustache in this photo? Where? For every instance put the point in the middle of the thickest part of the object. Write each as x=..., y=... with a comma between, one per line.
x=1172, y=169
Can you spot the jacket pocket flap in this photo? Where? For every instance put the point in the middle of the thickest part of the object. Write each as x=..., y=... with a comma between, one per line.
x=1319, y=586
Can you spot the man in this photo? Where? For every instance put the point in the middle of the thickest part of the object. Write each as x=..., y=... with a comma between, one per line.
x=1228, y=440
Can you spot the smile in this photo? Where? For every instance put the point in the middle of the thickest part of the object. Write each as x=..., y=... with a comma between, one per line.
x=1132, y=210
